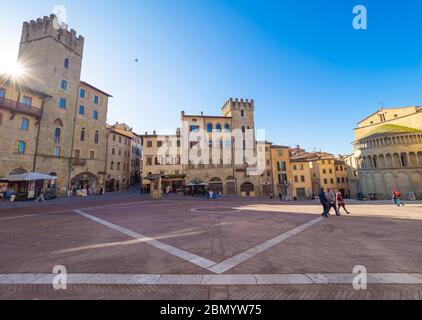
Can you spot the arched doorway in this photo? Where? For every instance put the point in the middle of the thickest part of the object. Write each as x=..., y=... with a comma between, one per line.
x=247, y=189
x=216, y=185
x=84, y=180
x=231, y=185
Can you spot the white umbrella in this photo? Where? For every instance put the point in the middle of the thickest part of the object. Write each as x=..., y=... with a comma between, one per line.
x=30, y=176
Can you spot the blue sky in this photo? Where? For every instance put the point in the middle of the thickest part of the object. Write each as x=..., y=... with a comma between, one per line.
x=313, y=77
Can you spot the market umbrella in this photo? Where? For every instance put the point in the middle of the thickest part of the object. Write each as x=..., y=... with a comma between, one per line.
x=30, y=176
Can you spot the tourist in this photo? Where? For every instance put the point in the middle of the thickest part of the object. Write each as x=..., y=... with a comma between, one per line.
x=332, y=202
x=397, y=198
x=220, y=196
x=341, y=203
x=324, y=201
x=40, y=197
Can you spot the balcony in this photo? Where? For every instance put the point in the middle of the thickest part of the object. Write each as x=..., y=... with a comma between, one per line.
x=78, y=162
x=17, y=107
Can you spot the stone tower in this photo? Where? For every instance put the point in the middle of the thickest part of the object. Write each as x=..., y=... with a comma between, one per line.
x=53, y=59
x=241, y=111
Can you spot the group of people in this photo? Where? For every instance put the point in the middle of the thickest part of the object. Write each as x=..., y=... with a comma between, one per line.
x=332, y=200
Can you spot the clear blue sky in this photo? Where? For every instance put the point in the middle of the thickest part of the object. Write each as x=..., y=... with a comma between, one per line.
x=313, y=77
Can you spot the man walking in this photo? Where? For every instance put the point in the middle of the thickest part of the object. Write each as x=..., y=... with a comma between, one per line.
x=324, y=201
x=332, y=202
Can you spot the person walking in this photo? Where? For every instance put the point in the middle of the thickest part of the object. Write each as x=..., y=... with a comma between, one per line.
x=324, y=201
x=341, y=203
x=40, y=197
x=332, y=202
x=397, y=198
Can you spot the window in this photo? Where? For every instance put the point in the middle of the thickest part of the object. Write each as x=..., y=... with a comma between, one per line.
x=23, y=124
x=325, y=181
x=27, y=101
x=282, y=178
x=62, y=103
x=209, y=127
x=56, y=151
x=92, y=155
x=149, y=161
x=302, y=178
x=95, y=115
x=118, y=165
x=324, y=171
x=114, y=137
x=66, y=63
x=218, y=127
x=113, y=151
x=21, y=147
x=296, y=179
x=159, y=144
x=57, y=133
x=332, y=181
x=83, y=134
x=82, y=93
x=243, y=129
x=112, y=165
x=81, y=110
x=63, y=85
x=96, y=137
x=2, y=93
x=227, y=127
x=77, y=154
x=242, y=113
x=294, y=167
x=149, y=144
x=96, y=99
x=194, y=128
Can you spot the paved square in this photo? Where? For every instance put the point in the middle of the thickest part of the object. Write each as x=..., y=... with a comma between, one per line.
x=187, y=248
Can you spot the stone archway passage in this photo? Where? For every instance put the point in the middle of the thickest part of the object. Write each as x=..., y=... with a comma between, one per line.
x=216, y=185
x=85, y=179
x=230, y=185
x=247, y=189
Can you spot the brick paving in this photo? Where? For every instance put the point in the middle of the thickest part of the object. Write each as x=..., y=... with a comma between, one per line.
x=36, y=237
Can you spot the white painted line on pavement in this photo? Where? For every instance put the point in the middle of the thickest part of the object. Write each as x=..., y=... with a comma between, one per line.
x=209, y=280
x=248, y=254
x=192, y=258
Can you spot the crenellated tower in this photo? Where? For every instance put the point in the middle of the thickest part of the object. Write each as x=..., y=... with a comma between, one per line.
x=52, y=56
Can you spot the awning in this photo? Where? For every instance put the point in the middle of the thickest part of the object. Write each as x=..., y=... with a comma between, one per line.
x=31, y=176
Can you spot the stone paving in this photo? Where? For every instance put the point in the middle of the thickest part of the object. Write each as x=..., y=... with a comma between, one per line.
x=243, y=246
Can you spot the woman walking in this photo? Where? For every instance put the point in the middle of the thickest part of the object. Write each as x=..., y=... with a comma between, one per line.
x=341, y=203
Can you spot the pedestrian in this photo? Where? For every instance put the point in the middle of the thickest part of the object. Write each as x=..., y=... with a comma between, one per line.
x=271, y=196
x=220, y=196
x=324, y=202
x=341, y=203
x=280, y=196
x=397, y=198
x=332, y=202
x=40, y=197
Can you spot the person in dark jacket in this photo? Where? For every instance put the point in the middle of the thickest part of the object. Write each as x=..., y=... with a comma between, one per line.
x=324, y=201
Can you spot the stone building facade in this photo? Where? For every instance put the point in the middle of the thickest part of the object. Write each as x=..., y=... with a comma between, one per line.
x=21, y=109
x=119, y=152
x=388, y=153
x=71, y=139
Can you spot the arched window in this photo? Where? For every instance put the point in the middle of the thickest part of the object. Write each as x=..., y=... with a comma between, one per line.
x=83, y=134
x=58, y=123
x=23, y=124
x=209, y=127
x=227, y=127
x=21, y=147
x=218, y=127
x=96, y=137
x=66, y=63
x=57, y=134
